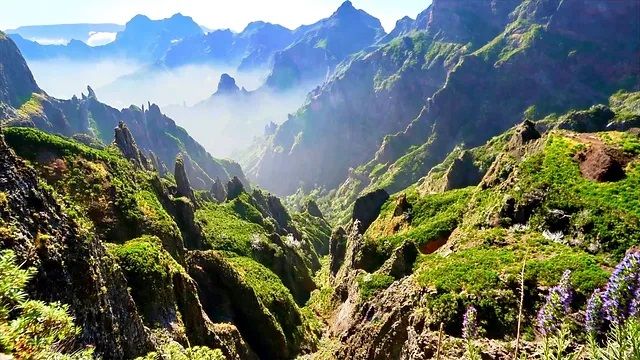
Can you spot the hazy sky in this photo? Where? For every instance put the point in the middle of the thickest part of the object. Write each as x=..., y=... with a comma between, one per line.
x=215, y=14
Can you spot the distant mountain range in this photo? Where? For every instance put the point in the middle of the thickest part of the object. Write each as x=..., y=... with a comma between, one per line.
x=23, y=103
x=308, y=53
x=63, y=33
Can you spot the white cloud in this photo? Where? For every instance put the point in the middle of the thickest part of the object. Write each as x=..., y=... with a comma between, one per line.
x=48, y=41
x=100, y=38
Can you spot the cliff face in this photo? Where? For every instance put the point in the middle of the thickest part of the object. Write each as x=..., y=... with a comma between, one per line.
x=72, y=266
x=16, y=81
x=321, y=46
x=519, y=54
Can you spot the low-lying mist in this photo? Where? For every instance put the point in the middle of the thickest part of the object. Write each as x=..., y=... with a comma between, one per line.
x=63, y=78
x=227, y=124
x=224, y=124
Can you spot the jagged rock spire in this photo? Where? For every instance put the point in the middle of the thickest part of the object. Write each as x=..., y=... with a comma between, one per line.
x=218, y=191
x=234, y=188
x=182, y=181
x=126, y=143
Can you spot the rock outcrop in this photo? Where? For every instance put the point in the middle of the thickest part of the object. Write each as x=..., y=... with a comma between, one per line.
x=337, y=249
x=125, y=142
x=367, y=208
x=463, y=172
x=182, y=181
x=71, y=268
x=312, y=208
x=234, y=188
x=218, y=190
x=602, y=164
x=227, y=85
x=16, y=81
x=226, y=296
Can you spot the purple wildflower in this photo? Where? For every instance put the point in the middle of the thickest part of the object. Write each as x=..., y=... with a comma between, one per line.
x=635, y=303
x=594, y=317
x=470, y=323
x=556, y=306
x=621, y=293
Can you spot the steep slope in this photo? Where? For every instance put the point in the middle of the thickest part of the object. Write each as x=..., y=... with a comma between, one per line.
x=554, y=200
x=335, y=131
x=16, y=81
x=92, y=121
x=179, y=267
x=573, y=67
x=321, y=46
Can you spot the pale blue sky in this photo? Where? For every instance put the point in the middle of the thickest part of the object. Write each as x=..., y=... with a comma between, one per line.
x=215, y=14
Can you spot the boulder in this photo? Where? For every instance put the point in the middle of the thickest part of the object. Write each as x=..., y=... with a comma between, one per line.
x=602, y=164
x=367, y=208
x=523, y=134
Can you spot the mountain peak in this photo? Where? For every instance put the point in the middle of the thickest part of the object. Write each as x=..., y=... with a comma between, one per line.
x=346, y=8
x=227, y=85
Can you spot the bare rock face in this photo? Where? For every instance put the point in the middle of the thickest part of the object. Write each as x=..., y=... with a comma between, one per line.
x=524, y=134
x=602, y=164
x=224, y=295
x=218, y=191
x=127, y=144
x=400, y=264
x=337, y=249
x=16, y=81
x=70, y=268
x=367, y=208
x=182, y=181
x=312, y=208
x=234, y=188
x=463, y=173
x=402, y=206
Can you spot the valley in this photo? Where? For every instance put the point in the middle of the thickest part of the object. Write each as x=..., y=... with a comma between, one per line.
x=465, y=185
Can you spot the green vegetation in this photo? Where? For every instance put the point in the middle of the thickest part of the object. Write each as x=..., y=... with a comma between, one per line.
x=31, y=329
x=227, y=230
x=370, y=284
x=32, y=108
x=433, y=217
x=607, y=214
x=97, y=187
x=149, y=270
x=175, y=351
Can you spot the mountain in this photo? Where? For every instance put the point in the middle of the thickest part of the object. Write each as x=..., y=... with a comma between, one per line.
x=432, y=90
x=63, y=33
x=24, y=104
x=142, y=39
x=144, y=265
x=249, y=49
x=321, y=46
x=549, y=196
x=229, y=119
